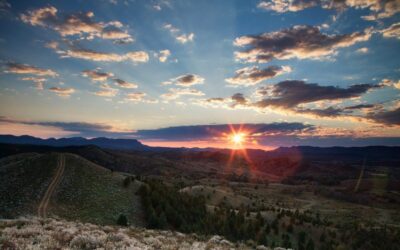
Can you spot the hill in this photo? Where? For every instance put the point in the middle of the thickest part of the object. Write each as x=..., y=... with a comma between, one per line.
x=84, y=191
x=109, y=143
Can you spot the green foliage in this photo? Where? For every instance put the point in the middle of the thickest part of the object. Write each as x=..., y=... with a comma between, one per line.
x=167, y=208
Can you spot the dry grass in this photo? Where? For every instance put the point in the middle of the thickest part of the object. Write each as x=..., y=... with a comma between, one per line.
x=37, y=233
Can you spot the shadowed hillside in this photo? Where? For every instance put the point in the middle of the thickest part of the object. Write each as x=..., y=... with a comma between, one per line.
x=85, y=191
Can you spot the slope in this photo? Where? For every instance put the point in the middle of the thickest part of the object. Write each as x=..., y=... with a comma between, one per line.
x=85, y=191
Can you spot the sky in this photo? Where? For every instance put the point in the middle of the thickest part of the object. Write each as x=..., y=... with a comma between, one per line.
x=192, y=73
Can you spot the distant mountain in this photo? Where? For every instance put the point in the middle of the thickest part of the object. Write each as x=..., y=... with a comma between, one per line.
x=108, y=143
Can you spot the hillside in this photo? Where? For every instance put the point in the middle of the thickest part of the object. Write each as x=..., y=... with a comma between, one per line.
x=59, y=234
x=85, y=190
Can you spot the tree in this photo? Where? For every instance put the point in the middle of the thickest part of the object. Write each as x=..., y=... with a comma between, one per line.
x=127, y=181
x=310, y=245
x=122, y=220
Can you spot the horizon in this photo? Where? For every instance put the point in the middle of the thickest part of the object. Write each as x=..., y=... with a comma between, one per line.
x=265, y=74
x=202, y=144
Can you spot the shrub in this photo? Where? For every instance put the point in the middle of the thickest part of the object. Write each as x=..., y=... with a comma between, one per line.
x=122, y=220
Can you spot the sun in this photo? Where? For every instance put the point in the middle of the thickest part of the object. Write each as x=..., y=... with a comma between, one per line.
x=238, y=138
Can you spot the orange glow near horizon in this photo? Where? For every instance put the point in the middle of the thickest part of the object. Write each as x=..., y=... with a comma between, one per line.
x=236, y=139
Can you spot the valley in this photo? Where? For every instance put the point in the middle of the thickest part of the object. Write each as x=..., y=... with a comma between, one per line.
x=297, y=198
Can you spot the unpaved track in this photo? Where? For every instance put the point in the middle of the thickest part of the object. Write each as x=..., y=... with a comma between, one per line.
x=42, y=209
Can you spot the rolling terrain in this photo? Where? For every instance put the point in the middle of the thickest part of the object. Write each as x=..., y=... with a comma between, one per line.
x=323, y=198
x=65, y=185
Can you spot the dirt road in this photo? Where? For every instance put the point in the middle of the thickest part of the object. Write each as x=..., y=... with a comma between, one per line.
x=42, y=209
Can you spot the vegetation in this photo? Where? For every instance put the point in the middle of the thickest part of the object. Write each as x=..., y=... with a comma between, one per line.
x=167, y=207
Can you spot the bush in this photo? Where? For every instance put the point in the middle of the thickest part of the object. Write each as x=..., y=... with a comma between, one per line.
x=122, y=220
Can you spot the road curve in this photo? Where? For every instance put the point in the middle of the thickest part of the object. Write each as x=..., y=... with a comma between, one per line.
x=42, y=209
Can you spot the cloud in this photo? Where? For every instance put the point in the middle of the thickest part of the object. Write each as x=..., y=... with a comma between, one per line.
x=80, y=24
x=185, y=80
x=220, y=131
x=363, y=50
x=387, y=117
x=379, y=9
x=184, y=38
x=289, y=94
x=4, y=6
x=282, y=6
x=360, y=106
x=39, y=81
x=179, y=36
x=237, y=100
x=68, y=128
x=123, y=84
x=63, y=92
x=163, y=55
x=96, y=75
x=252, y=75
x=107, y=92
x=157, y=7
x=175, y=93
x=296, y=97
x=91, y=55
x=302, y=42
x=390, y=83
x=17, y=68
x=135, y=96
x=392, y=31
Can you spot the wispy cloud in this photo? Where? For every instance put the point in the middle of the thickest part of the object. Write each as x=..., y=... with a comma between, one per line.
x=179, y=36
x=17, y=68
x=175, y=93
x=63, y=92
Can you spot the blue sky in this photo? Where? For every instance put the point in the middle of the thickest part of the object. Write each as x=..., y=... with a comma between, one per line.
x=135, y=65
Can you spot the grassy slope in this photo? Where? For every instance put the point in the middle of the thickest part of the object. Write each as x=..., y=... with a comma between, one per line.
x=86, y=192
x=24, y=179
x=94, y=194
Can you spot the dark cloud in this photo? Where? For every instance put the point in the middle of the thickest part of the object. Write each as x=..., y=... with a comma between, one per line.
x=198, y=132
x=96, y=75
x=361, y=106
x=238, y=99
x=387, y=117
x=124, y=84
x=252, y=75
x=327, y=112
x=296, y=42
x=80, y=128
x=186, y=80
x=289, y=94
